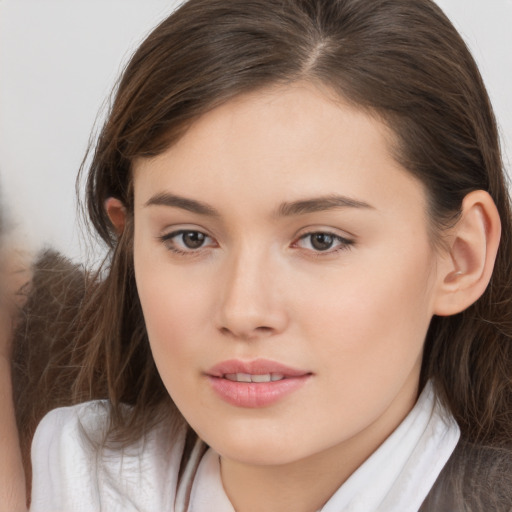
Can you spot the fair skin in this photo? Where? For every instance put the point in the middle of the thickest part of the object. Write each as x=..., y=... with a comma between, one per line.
x=12, y=477
x=281, y=228
x=14, y=277
x=259, y=285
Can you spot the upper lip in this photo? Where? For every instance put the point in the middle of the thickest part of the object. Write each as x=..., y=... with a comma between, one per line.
x=254, y=367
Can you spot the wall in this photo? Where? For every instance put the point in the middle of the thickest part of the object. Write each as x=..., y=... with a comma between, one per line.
x=59, y=60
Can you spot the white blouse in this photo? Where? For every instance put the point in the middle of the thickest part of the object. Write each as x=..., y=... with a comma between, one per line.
x=70, y=475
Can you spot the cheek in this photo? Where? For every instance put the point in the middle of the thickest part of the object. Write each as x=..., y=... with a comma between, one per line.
x=171, y=311
x=175, y=311
x=374, y=315
x=175, y=323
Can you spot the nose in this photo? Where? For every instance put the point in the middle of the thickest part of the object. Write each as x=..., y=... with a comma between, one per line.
x=251, y=302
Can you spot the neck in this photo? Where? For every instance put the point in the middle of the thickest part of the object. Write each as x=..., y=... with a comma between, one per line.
x=286, y=488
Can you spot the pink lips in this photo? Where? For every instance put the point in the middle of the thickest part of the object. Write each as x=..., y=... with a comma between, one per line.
x=256, y=383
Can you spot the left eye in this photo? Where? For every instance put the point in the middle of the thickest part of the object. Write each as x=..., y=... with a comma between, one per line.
x=186, y=240
x=323, y=242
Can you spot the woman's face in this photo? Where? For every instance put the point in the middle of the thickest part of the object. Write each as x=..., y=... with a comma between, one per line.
x=278, y=242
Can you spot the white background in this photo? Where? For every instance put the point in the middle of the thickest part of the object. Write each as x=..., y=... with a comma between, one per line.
x=59, y=60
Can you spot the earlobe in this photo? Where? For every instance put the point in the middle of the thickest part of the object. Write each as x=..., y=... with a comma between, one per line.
x=116, y=212
x=469, y=263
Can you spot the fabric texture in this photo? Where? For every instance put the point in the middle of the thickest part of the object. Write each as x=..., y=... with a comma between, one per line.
x=476, y=478
x=69, y=473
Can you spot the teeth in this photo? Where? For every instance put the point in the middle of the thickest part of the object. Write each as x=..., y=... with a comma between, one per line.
x=261, y=378
x=246, y=377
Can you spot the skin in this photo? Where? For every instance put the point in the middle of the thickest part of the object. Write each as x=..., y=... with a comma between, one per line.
x=12, y=477
x=14, y=278
x=354, y=316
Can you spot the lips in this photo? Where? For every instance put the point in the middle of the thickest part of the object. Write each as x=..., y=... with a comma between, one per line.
x=247, y=377
x=257, y=383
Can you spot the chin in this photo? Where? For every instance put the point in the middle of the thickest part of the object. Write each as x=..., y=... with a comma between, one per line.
x=259, y=455
x=258, y=446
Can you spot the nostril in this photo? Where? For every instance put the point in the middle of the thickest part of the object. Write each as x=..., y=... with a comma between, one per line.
x=247, y=334
x=264, y=329
x=225, y=330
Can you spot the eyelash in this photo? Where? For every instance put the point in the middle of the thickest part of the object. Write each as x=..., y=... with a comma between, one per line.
x=344, y=244
x=170, y=245
x=168, y=241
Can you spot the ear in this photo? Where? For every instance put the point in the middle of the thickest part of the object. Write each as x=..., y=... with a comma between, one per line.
x=473, y=244
x=116, y=212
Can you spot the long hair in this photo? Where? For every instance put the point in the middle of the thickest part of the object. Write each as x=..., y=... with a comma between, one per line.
x=401, y=60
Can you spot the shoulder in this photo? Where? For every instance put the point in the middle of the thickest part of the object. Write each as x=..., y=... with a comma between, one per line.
x=475, y=478
x=73, y=468
x=64, y=424
x=486, y=476
x=61, y=459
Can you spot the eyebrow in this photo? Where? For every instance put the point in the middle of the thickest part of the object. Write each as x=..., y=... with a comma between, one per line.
x=191, y=205
x=319, y=204
x=288, y=209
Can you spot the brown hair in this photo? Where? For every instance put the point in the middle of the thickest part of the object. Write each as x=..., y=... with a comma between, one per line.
x=399, y=59
x=43, y=362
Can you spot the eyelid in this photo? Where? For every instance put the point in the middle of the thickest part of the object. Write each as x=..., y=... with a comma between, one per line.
x=345, y=242
x=169, y=230
x=167, y=240
x=341, y=242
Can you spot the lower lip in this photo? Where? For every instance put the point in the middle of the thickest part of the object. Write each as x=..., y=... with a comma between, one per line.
x=255, y=394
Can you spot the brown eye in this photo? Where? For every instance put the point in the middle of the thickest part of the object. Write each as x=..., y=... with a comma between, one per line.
x=322, y=241
x=187, y=241
x=193, y=239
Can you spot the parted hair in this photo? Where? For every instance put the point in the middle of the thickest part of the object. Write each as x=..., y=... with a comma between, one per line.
x=401, y=60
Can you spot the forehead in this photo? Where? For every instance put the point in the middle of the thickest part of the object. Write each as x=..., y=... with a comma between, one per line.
x=279, y=144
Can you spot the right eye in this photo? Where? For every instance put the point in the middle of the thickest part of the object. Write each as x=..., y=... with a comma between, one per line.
x=186, y=241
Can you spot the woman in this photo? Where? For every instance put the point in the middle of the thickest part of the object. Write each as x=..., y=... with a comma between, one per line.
x=304, y=201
